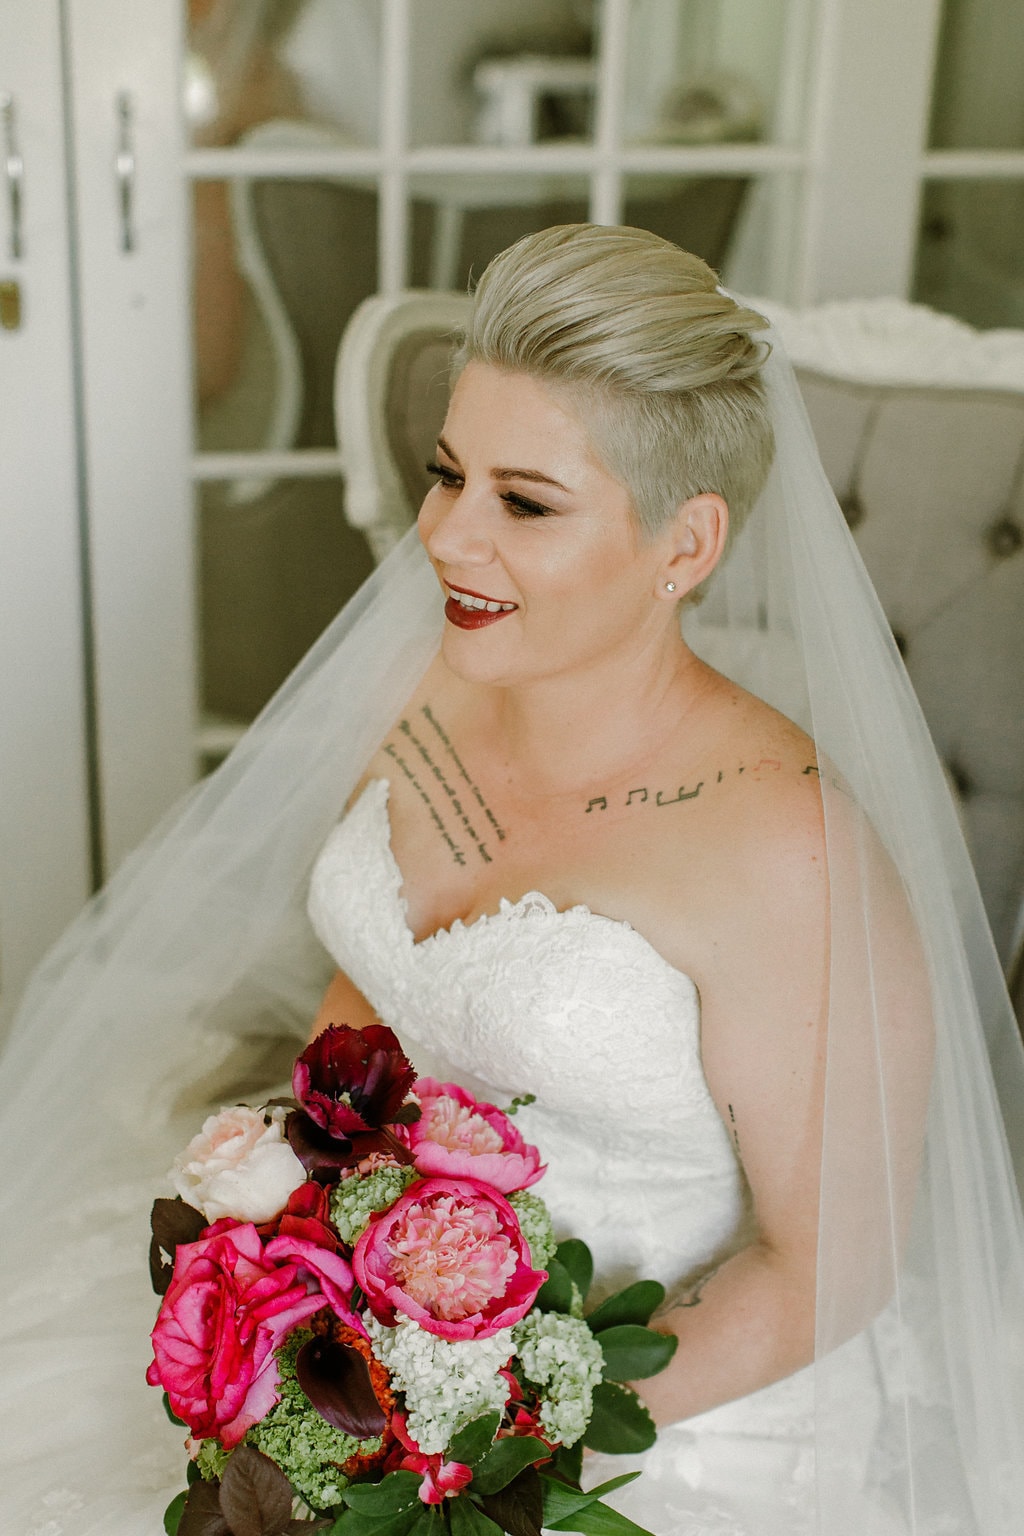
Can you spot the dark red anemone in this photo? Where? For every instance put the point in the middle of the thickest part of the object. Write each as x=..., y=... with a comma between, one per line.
x=352, y=1084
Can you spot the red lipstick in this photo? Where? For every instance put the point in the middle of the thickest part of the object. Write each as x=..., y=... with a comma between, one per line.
x=472, y=618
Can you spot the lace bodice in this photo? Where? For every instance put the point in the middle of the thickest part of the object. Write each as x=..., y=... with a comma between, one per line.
x=574, y=1008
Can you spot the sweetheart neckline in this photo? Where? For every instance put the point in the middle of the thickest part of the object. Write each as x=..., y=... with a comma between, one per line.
x=379, y=803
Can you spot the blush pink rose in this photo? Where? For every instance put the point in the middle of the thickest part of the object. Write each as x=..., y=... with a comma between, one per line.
x=448, y=1254
x=460, y=1137
x=230, y=1304
x=240, y=1165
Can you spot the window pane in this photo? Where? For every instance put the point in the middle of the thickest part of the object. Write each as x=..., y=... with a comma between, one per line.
x=968, y=254
x=460, y=222
x=276, y=562
x=710, y=71
x=248, y=63
x=280, y=265
x=700, y=213
x=978, y=100
x=742, y=226
x=500, y=73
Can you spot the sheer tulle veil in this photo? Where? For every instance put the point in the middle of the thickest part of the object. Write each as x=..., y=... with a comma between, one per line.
x=175, y=988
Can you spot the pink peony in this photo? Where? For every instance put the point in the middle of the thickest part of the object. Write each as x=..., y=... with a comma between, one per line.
x=449, y=1255
x=460, y=1137
x=230, y=1303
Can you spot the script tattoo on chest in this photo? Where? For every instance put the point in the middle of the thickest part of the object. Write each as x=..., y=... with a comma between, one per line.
x=424, y=753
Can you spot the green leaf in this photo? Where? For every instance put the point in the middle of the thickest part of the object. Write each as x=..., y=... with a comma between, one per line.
x=569, y=1461
x=505, y=1460
x=555, y=1295
x=620, y=1424
x=468, y=1519
x=519, y=1507
x=575, y=1256
x=474, y=1440
x=561, y=1502
x=397, y=1491
x=631, y=1350
x=600, y=1520
x=356, y=1523
x=174, y=1512
x=636, y=1304
x=180, y=1423
x=430, y=1522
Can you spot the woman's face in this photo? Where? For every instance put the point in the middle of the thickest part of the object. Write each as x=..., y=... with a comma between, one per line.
x=526, y=520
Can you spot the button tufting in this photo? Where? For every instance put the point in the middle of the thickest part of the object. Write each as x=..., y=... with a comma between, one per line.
x=1004, y=538
x=852, y=508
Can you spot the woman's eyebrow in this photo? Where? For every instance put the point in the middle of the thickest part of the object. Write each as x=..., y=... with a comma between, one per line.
x=511, y=474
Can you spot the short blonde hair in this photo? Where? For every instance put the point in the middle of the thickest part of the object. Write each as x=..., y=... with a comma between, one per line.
x=659, y=363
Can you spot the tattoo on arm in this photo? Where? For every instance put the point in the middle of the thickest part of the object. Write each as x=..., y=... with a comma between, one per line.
x=691, y=1297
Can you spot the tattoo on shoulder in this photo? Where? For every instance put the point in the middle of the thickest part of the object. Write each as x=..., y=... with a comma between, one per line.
x=644, y=794
x=423, y=752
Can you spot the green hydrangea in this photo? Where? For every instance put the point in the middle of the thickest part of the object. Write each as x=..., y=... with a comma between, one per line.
x=560, y=1357
x=535, y=1222
x=356, y=1198
x=211, y=1460
x=302, y=1443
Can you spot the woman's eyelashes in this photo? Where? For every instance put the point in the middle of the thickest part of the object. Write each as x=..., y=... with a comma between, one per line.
x=519, y=506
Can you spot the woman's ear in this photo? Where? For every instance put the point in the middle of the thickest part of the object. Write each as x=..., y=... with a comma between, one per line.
x=694, y=540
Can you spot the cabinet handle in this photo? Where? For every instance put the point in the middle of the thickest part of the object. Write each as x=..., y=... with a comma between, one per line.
x=14, y=172
x=124, y=167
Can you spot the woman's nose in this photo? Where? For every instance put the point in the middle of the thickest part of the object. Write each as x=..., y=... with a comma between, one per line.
x=454, y=528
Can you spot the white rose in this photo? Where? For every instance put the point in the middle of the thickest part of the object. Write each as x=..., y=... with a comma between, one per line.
x=240, y=1165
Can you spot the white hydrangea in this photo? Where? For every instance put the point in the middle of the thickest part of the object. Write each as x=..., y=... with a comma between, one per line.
x=446, y=1383
x=562, y=1358
x=535, y=1225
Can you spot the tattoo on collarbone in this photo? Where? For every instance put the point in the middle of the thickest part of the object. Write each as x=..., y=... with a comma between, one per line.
x=436, y=779
x=763, y=768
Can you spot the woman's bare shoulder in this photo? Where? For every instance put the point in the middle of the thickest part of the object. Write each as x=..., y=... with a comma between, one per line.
x=431, y=693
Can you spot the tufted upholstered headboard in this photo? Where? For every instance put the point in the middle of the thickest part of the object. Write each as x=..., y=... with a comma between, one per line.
x=920, y=422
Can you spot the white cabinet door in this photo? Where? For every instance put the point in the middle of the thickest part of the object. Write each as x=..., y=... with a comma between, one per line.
x=44, y=798
x=124, y=64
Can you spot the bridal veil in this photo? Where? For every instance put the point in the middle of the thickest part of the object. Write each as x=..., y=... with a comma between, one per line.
x=173, y=992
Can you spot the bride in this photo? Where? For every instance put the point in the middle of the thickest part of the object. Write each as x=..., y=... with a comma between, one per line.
x=589, y=856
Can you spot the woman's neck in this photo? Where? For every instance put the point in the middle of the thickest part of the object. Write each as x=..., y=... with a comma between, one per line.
x=561, y=734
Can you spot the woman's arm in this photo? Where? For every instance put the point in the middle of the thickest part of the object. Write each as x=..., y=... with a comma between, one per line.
x=763, y=1024
x=343, y=1004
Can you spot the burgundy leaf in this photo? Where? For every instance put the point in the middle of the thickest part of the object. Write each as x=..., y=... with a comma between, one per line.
x=201, y=1515
x=255, y=1495
x=173, y=1222
x=336, y=1379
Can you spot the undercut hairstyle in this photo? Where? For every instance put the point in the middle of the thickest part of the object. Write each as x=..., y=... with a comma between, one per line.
x=660, y=365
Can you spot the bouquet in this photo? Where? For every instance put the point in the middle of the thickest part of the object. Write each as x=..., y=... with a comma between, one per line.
x=367, y=1326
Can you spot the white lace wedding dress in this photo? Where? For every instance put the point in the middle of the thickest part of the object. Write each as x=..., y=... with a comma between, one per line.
x=582, y=1012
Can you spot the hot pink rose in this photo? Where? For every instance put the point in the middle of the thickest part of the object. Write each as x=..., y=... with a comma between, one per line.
x=449, y=1255
x=230, y=1303
x=460, y=1137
